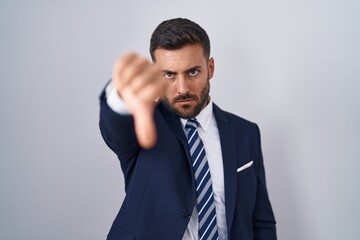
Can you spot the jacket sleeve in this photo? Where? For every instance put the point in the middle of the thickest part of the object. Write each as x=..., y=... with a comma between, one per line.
x=118, y=133
x=263, y=216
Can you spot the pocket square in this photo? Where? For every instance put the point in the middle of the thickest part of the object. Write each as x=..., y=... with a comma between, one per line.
x=244, y=166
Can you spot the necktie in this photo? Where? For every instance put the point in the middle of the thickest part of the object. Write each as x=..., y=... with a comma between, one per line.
x=204, y=191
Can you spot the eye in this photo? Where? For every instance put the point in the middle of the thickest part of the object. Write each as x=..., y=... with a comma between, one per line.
x=194, y=72
x=169, y=75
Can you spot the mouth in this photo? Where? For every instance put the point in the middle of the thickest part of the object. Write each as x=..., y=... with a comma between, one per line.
x=184, y=98
x=185, y=101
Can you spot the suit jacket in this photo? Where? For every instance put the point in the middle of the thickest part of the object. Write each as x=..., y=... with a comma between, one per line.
x=160, y=185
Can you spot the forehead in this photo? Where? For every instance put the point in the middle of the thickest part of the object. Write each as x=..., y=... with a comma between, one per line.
x=180, y=59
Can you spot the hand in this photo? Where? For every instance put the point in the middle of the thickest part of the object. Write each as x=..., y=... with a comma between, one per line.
x=139, y=84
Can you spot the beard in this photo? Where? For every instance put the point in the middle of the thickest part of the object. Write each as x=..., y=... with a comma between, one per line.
x=186, y=110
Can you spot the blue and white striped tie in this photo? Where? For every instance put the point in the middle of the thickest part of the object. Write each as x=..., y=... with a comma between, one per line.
x=204, y=191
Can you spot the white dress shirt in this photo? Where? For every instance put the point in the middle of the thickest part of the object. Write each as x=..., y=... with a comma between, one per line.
x=209, y=134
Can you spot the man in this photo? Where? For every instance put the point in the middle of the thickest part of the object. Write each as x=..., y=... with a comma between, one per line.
x=192, y=171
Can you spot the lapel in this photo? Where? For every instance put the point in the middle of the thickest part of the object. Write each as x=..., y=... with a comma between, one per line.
x=228, y=148
x=227, y=135
x=175, y=125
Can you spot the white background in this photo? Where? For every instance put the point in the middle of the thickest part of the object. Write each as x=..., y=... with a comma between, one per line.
x=293, y=67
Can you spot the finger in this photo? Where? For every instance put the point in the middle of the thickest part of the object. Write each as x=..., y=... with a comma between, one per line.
x=150, y=75
x=119, y=67
x=154, y=88
x=145, y=128
x=122, y=62
x=151, y=92
x=134, y=68
x=143, y=119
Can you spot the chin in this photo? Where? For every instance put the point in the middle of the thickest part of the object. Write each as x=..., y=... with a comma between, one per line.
x=188, y=113
x=185, y=111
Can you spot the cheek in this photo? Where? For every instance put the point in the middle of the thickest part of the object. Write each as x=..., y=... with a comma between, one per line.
x=200, y=86
x=170, y=91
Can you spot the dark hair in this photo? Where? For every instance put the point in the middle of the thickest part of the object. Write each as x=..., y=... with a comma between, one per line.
x=176, y=33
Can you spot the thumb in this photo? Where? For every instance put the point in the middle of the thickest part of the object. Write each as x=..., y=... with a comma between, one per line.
x=145, y=127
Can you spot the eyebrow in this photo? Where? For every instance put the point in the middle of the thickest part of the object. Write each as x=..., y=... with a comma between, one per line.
x=187, y=70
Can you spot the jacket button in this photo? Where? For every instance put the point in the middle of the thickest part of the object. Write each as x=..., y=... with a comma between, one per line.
x=186, y=215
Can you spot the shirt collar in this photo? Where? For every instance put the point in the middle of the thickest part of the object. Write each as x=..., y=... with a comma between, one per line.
x=204, y=117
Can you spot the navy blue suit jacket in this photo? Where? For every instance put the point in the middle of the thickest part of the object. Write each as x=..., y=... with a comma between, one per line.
x=160, y=185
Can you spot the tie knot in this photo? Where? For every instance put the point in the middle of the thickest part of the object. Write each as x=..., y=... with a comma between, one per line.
x=192, y=123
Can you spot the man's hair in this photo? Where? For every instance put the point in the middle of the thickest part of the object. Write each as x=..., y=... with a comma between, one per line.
x=176, y=33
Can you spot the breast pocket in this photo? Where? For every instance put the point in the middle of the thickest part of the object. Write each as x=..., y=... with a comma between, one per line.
x=245, y=169
x=246, y=185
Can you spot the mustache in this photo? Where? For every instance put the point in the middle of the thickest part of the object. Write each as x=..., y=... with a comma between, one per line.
x=184, y=97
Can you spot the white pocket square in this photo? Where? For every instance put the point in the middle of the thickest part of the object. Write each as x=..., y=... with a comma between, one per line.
x=244, y=166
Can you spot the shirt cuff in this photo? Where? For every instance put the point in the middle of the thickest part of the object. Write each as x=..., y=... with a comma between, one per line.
x=114, y=101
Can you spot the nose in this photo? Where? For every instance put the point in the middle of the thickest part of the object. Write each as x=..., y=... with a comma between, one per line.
x=183, y=86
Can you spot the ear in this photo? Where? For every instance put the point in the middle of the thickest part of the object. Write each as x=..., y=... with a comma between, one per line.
x=211, y=67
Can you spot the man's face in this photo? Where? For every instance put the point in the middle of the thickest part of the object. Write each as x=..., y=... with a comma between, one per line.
x=188, y=73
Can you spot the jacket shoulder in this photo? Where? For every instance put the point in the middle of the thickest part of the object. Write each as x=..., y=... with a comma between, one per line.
x=238, y=121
